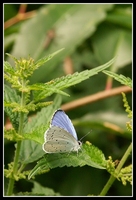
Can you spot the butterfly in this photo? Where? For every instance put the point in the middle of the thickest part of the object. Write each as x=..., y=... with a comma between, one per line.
x=61, y=136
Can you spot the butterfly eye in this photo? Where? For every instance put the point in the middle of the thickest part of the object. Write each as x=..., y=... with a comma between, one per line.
x=80, y=143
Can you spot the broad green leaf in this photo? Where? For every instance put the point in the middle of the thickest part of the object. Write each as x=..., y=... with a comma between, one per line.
x=10, y=96
x=120, y=41
x=31, y=150
x=121, y=16
x=120, y=78
x=8, y=40
x=108, y=121
x=27, y=194
x=8, y=68
x=89, y=155
x=39, y=189
x=71, y=23
x=37, y=134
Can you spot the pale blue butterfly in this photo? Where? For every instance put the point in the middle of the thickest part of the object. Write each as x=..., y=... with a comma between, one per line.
x=61, y=136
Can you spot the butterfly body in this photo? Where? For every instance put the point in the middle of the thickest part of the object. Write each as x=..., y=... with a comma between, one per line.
x=61, y=137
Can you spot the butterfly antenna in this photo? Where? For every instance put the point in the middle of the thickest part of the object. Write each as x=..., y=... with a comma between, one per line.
x=85, y=135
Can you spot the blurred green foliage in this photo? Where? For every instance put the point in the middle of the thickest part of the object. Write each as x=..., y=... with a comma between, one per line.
x=91, y=34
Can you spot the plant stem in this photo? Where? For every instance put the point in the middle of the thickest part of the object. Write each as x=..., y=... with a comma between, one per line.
x=12, y=180
x=95, y=97
x=112, y=178
x=17, y=151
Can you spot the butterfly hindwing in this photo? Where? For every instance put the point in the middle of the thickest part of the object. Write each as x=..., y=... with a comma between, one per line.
x=58, y=140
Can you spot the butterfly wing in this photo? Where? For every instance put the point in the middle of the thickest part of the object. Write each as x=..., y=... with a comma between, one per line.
x=61, y=120
x=58, y=140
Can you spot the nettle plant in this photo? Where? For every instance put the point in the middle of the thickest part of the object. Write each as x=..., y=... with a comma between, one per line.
x=20, y=98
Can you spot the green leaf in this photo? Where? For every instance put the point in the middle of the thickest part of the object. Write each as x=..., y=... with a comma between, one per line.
x=43, y=190
x=39, y=89
x=36, y=134
x=27, y=194
x=43, y=60
x=104, y=121
x=110, y=40
x=8, y=68
x=120, y=78
x=67, y=81
x=9, y=40
x=90, y=155
x=121, y=16
x=31, y=150
x=11, y=96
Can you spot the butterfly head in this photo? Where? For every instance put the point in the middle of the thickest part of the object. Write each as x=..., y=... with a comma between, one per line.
x=77, y=147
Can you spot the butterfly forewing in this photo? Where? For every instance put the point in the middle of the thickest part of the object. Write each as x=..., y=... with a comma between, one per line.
x=60, y=119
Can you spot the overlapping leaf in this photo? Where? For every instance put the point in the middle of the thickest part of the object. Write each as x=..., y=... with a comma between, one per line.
x=10, y=96
x=90, y=155
x=122, y=79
